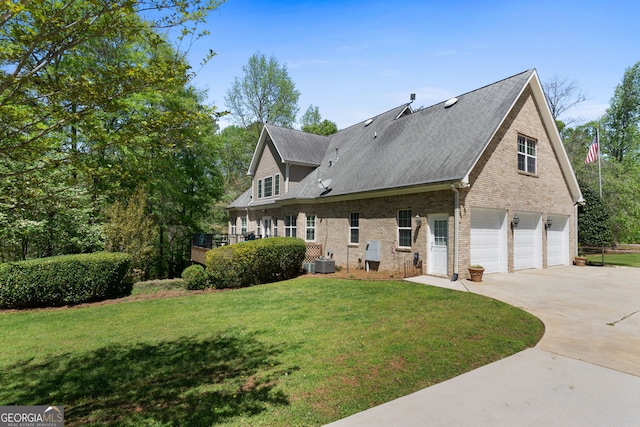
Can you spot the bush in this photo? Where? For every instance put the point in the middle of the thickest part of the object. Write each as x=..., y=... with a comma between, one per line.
x=194, y=277
x=254, y=262
x=64, y=280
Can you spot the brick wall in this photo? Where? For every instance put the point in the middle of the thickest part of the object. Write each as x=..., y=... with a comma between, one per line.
x=496, y=182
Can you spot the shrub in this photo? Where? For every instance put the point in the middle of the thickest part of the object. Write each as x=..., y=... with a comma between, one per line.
x=64, y=280
x=194, y=277
x=255, y=261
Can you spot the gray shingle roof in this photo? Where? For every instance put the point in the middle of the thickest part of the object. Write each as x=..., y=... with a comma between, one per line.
x=242, y=201
x=394, y=150
x=433, y=145
x=295, y=146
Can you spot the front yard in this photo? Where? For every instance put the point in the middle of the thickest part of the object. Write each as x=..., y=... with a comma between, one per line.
x=302, y=352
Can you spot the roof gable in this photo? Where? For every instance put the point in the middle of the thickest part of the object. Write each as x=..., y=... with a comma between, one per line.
x=293, y=146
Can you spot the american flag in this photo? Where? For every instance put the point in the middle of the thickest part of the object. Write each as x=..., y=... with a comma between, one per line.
x=593, y=151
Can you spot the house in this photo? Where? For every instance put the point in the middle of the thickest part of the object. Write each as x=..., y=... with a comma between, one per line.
x=482, y=178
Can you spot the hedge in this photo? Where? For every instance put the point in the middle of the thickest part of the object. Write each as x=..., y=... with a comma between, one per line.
x=254, y=262
x=64, y=280
x=194, y=277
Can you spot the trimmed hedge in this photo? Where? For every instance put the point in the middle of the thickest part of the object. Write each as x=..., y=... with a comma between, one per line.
x=194, y=277
x=255, y=261
x=64, y=280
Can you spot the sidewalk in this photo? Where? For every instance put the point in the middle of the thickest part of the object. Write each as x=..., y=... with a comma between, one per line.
x=584, y=372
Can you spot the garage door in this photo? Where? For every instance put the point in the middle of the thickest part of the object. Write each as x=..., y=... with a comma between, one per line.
x=489, y=239
x=558, y=240
x=527, y=242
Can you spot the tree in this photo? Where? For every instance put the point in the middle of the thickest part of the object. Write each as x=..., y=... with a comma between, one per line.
x=312, y=122
x=623, y=117
x=265, y=94
x=594, y=220
x=49, y=80
x=130, y=228
x=562, y=94
x=95, y=104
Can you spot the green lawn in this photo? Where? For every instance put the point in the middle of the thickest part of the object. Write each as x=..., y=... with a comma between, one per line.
x=627, y=260
x=298, y=353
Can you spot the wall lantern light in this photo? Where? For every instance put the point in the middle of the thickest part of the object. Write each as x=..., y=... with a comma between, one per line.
x=515, y=221
x=418, y=221
x=549, y=223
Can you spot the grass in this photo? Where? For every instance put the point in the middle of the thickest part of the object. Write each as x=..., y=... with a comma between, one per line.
x=626, y=260
x=154, y=286
x=303, y=352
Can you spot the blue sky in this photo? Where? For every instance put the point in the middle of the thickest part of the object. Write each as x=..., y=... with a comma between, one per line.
x=356, y=59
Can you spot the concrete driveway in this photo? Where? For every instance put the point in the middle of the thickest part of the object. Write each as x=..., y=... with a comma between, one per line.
x=584, y=372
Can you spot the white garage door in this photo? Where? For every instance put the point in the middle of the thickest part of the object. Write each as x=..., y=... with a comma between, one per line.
x=527, y=242
x=558, y=241
x=489, y=239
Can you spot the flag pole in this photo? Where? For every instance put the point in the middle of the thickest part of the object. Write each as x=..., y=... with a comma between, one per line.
x=600, y=176
x=599, y=168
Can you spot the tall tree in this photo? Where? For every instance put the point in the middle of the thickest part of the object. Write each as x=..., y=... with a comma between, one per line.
x=312, y=122
x=46, y=86
x=94, y=103
x=265, y=94
x=623, y=117
x=562, y=94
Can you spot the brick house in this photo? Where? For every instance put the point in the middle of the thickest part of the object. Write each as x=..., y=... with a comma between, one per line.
x=482, y=178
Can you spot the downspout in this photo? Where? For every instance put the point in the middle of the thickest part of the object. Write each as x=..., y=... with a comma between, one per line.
x=456, y=214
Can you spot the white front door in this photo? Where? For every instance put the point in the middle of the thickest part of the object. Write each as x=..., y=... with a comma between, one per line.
x=437, y=262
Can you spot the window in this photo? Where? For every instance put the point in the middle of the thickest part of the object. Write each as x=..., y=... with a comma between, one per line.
x=354, y=228
x=268, y=186
x=276, y=185
x=259, y=189
x=526, y=154
x=259, y=228
x=404, y=228
x=243, y=225
x=275, y=226
x=290, y=225
x=234, y=222
x=310, y=228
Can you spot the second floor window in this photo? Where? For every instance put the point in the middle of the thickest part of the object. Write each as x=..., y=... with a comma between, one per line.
x=276, y=185
x=268, y=186
x=526, y=154
x=259, y=189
